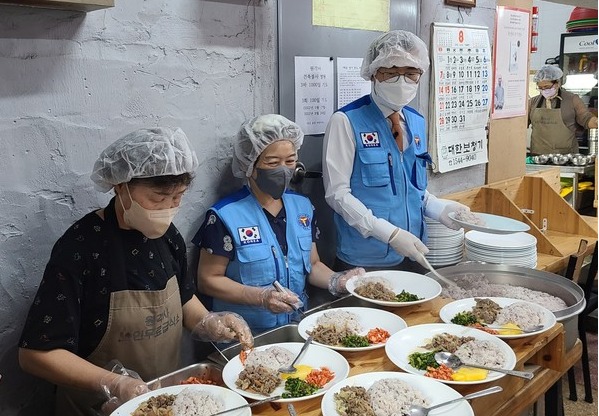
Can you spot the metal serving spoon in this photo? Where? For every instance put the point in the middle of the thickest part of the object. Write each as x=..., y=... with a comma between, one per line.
x=417, y=410
x=453, y=361
x=436, y=273
x=291, y=369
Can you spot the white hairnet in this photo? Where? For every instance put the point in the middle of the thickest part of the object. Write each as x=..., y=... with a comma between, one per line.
x=144, y=153
x=548, y=73
x=395, y=48
x=255, y=136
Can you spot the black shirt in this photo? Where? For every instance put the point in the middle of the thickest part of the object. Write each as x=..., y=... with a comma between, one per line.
x=70, y=309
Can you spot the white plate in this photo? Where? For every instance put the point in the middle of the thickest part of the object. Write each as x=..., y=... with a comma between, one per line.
x=507, y=242
x=494, y=224
x=229, y=398
x=411, y=339
x=450, y=310
x=315, y=356
x=369, y=318
x=434, y=392
x=420, y=285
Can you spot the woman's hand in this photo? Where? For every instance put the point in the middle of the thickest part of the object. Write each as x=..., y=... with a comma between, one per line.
x=224, y=327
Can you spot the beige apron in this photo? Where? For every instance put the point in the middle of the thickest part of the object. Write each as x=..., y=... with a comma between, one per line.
x=550, y=134
x=143, y=332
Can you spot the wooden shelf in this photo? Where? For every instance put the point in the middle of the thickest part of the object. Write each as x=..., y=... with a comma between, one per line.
x=534, y=200
x=77, y=5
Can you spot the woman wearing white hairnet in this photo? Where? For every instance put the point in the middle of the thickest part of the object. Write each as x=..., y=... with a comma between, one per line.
x=263, y=233
x=116, y=287
x=555, y=115
x=374, y=164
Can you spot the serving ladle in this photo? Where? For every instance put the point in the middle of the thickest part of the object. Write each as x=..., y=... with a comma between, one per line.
x=436, y=273
x=417, y=410
x=453, y=361
x=290, y=369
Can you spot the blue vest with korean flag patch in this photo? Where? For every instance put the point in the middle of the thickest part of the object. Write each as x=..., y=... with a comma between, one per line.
x=390, y=183
x=259, y=260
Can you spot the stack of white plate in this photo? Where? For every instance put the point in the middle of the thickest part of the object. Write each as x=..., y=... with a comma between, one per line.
x=446, y=245
x=517, y=249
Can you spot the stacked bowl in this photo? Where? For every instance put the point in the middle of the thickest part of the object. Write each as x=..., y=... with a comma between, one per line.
x=517, y=249
x=582, y=20
x=446, y=245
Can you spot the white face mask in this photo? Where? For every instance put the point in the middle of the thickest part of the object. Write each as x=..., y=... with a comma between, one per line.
x=152, y=223
x=395, y=95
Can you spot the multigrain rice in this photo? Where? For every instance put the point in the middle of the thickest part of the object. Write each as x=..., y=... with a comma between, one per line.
x=477, y=285
x=522, y=314
x=192, y=402
x=272, y=358
x=481, y=352
x=391, y=397
x=341, y=320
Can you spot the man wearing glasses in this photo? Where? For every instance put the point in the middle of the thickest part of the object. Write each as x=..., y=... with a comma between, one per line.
x=374, y=164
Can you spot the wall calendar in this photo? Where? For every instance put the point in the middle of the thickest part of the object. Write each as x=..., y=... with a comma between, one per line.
x=461, y=100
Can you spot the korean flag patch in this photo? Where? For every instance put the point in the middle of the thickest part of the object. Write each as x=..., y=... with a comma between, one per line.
x=370, y=139
x=249, y=235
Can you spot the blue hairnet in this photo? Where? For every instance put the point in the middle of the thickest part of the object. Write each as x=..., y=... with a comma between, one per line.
x=144, y=153
x=255, y=136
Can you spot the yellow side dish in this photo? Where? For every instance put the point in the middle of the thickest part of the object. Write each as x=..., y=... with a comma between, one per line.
x=469, y=374
x=510, y=329
x=301, y=373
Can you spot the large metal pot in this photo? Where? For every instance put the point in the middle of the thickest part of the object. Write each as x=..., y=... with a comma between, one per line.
x=551, y=283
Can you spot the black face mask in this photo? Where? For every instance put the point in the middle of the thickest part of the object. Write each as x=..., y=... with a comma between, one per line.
x=274, y=181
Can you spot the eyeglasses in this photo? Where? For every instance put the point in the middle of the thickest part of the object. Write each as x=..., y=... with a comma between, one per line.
x=412, y=77
x=539, y=88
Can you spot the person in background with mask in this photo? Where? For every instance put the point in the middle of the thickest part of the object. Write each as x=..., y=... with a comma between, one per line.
x=555, y=115
x=263, y=233
x=374, y=164
x=116, y=285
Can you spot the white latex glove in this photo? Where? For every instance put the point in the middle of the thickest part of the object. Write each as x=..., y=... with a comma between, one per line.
x=338, y=280
x=224, y=327
x=120, y=386
x=439, y=209
x=408, y=245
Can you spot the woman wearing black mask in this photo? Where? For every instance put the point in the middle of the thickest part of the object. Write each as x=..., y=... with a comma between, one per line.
x=263, y=233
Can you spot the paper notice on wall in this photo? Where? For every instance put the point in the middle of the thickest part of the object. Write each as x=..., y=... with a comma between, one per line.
x=461, y=76
x=352, y=14
x=350, y=84
x=510, y=93
x=314, y=89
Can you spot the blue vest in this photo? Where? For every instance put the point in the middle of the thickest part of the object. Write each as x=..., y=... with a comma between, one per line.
x=388, y=182
x=259, y=260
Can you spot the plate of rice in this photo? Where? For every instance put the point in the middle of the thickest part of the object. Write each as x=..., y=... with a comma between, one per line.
x=511, y=314
x=389, y=393
x=351, y=329
x=184, y=400
x=488, y=223
x=319, y=368
x=412, y=349
x=394, y=288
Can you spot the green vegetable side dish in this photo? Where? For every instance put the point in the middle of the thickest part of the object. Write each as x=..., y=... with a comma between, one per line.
x=423, y=360
x=464, y=318
x=406, y=297
x=294, y=387
x=355, y=341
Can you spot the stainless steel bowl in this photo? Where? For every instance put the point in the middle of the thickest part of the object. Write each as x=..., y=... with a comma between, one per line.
x=204, y=370
x=540, y=159
x=532, y=279
x=579, y=160
x=560, y=159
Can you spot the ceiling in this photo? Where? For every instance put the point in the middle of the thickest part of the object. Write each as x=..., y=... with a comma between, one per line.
x=591, y=4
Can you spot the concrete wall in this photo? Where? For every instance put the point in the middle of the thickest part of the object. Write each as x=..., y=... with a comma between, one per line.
x=72, y=83
x=552, y=23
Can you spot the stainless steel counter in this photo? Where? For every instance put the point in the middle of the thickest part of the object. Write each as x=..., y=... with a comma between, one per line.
x=568, y=171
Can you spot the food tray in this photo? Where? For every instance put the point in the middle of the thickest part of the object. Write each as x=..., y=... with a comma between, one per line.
x=204, y=369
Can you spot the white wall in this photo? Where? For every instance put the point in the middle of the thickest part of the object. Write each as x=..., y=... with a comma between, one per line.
x=72, y=83
x=552, y=23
